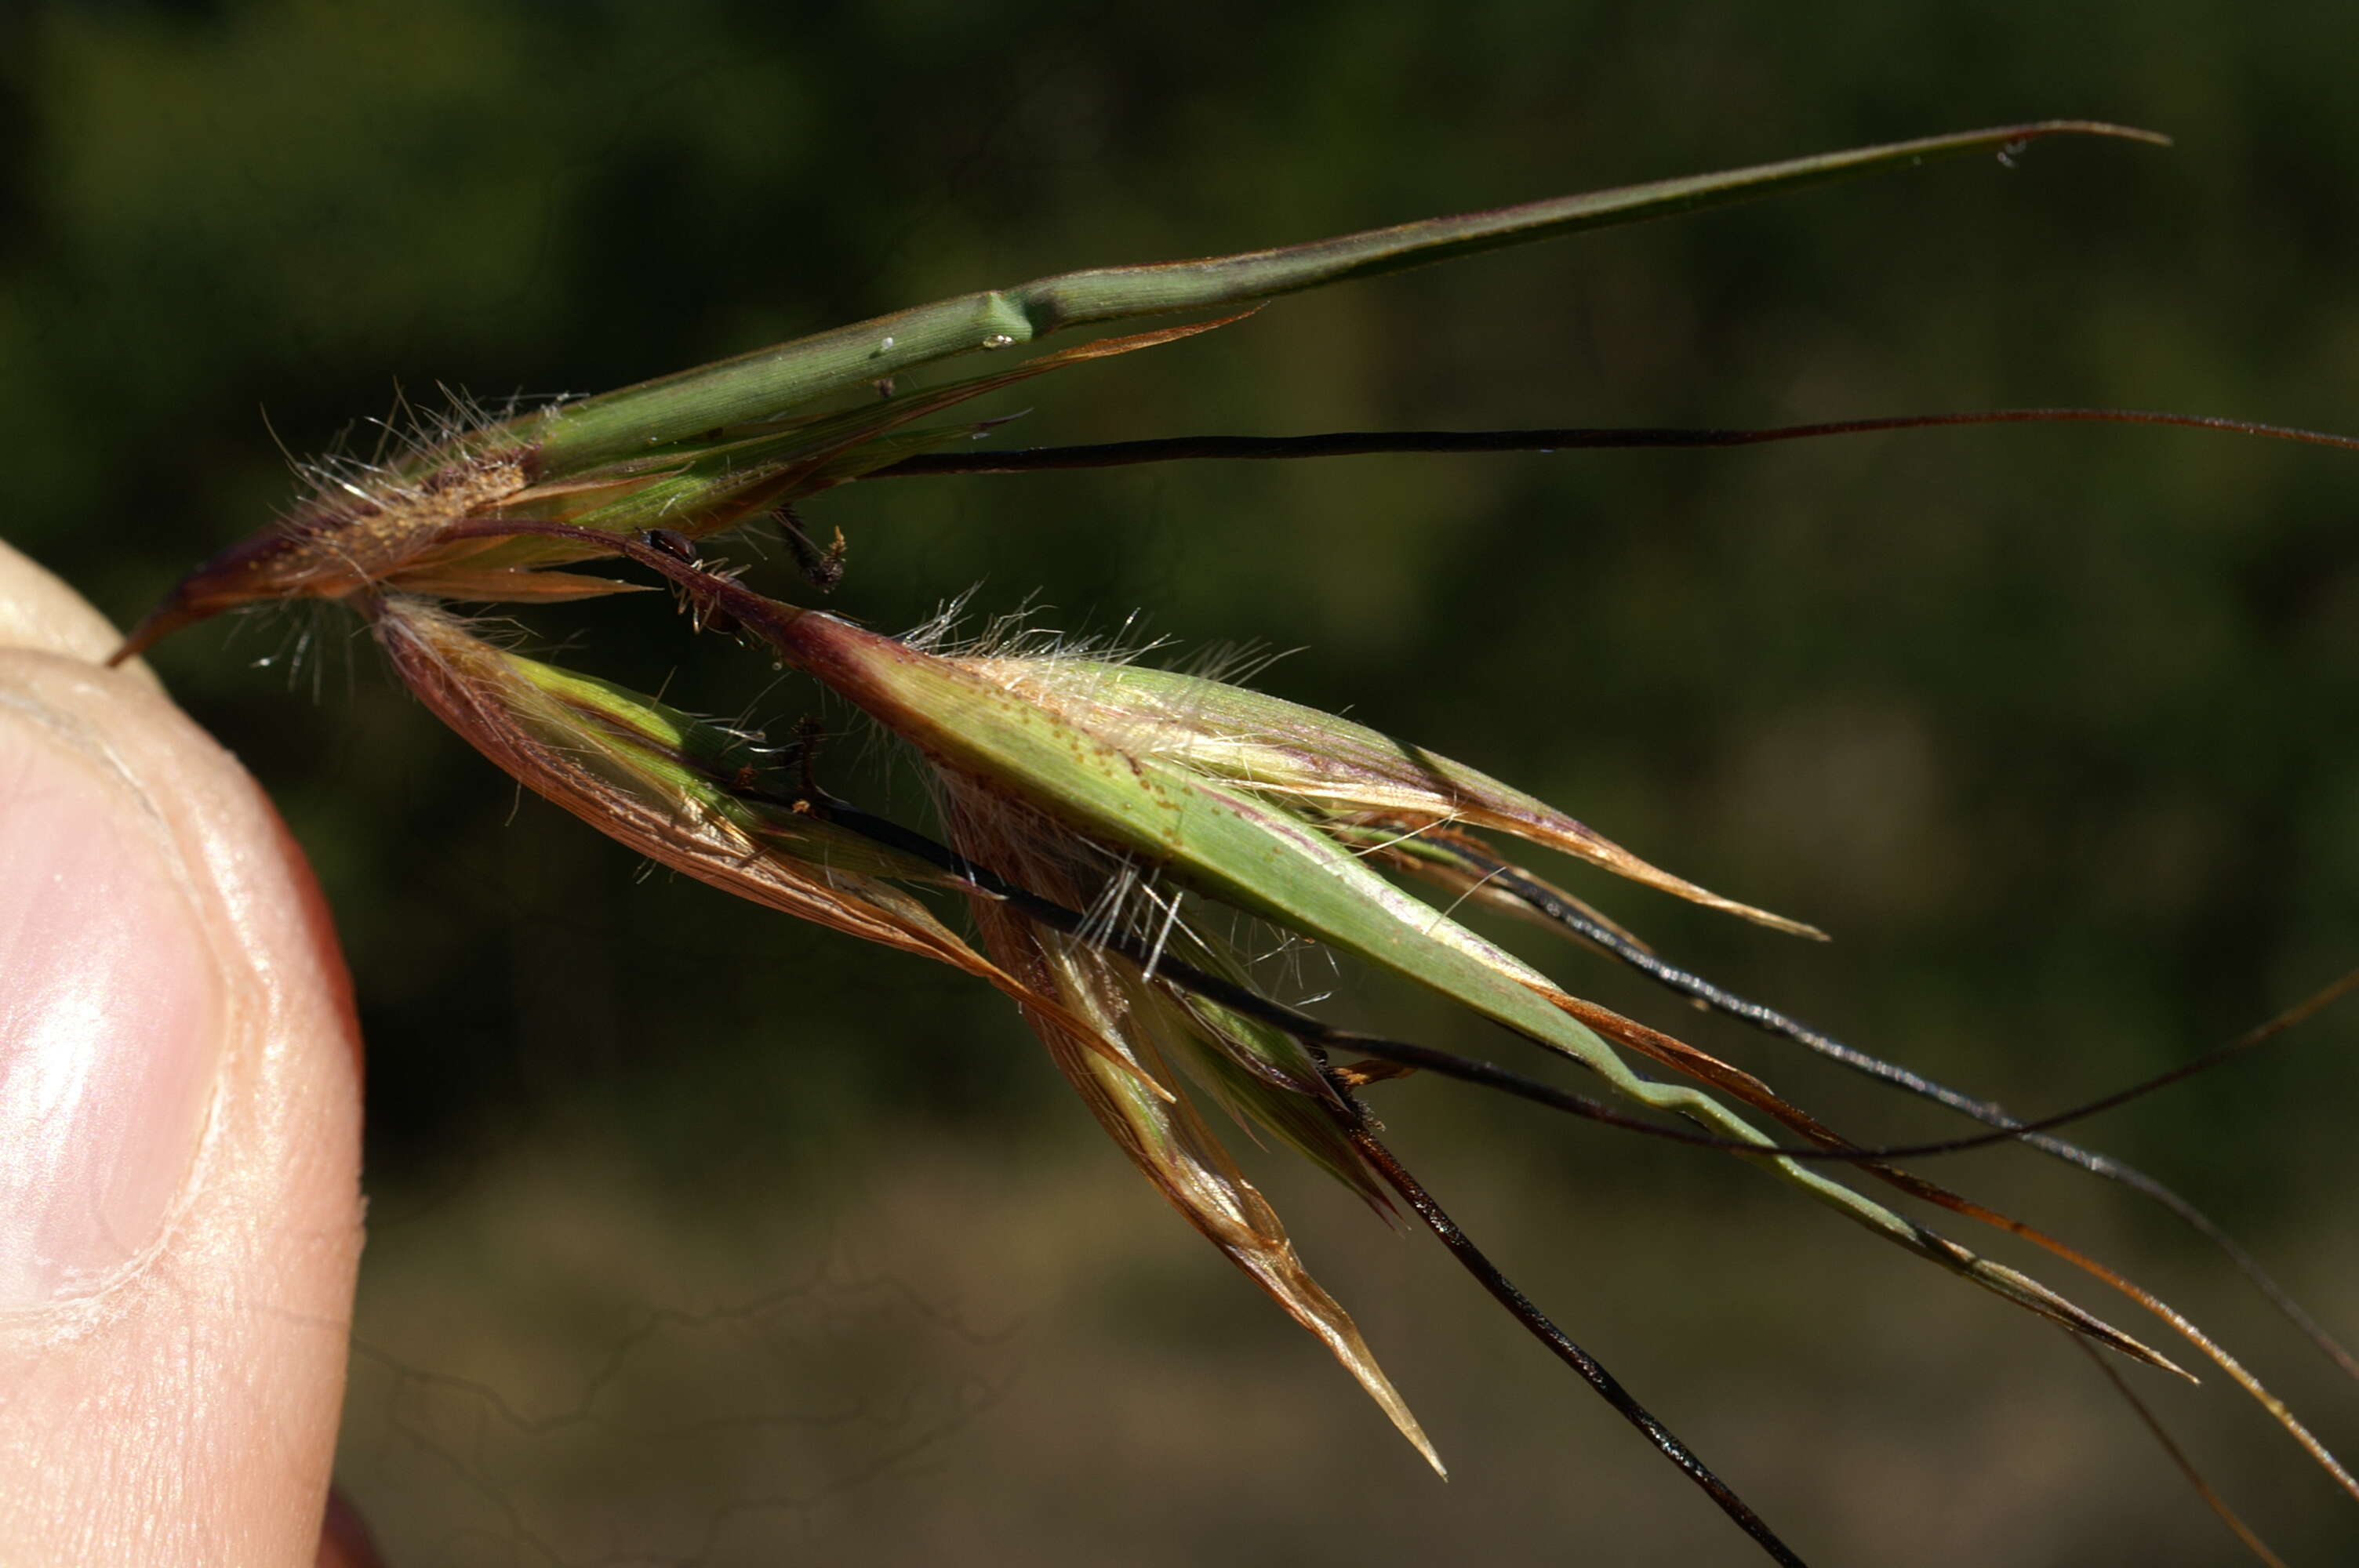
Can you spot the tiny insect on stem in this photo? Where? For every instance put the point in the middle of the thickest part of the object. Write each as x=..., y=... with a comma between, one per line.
x=672, y=543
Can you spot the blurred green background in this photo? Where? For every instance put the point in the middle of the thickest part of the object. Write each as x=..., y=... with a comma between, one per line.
x=698, y=1236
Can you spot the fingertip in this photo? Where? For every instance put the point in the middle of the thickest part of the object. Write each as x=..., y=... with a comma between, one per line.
x=38, y=610
x=227, y=1328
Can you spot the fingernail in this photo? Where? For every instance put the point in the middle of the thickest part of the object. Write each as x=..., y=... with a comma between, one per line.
x=110, y=1021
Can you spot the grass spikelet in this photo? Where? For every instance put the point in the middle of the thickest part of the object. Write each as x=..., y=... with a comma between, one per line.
x=1162, y=1136
x=683, y=792
x=1285, y=751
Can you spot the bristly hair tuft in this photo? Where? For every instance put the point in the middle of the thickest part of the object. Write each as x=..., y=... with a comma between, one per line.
x=1016, y=634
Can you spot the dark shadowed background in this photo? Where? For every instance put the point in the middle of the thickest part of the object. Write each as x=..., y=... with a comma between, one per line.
x=700, y=1236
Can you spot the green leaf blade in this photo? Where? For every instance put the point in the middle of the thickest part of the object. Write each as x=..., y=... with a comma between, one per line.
x=768, y=381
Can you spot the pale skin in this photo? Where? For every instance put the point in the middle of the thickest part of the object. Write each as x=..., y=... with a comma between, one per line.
x=180, y=1216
